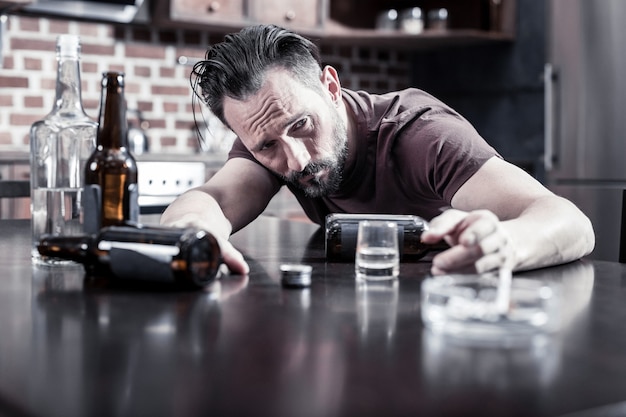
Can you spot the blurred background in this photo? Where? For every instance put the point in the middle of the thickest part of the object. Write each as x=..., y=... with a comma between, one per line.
x=485, y=58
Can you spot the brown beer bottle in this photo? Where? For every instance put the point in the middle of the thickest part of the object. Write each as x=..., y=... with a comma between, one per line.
x=184, y=257
x=111, y=193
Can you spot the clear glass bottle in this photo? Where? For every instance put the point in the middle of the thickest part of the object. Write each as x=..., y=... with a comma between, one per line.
x=341, y=234
x=111, y=193
x=60, y=144
x=184, y=257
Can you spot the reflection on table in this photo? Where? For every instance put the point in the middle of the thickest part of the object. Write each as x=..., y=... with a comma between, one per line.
x=246, y=346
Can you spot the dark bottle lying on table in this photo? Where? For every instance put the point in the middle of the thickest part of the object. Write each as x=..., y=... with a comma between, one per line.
x=341, y=234
x=184, y=257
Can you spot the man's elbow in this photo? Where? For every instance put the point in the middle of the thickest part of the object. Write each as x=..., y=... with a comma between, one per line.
x=580, y=237
x=588, y=236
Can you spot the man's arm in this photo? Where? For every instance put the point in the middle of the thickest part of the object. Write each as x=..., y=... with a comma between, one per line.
x=504, y=217
x=232, y=198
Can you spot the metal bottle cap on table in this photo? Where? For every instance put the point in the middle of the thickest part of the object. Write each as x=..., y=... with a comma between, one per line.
x=295, y=275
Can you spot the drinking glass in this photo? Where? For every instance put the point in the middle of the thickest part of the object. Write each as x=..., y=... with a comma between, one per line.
x=377, y=254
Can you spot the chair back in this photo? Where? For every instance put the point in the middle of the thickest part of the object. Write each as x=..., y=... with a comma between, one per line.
x=15, y=199
x=14, y=188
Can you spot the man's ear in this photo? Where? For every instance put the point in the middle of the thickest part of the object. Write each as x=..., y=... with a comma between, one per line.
x=330, y=81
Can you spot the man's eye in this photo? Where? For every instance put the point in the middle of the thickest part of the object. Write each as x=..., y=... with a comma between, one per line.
x=268, y=145
x=300, y=124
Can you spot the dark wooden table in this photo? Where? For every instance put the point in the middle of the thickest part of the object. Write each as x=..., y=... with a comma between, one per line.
x=248, y=347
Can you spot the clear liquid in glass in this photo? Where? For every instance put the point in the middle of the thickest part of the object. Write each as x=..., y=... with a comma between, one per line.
x=377, y=263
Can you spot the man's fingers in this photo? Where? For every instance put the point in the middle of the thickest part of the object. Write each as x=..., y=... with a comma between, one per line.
x=233, y=258
x=443, y=225
x=456, y=258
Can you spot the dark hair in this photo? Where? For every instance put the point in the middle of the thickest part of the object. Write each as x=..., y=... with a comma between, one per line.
x=236, y=67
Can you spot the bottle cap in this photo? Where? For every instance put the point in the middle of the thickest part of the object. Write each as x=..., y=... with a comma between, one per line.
x=68, y=46
x=296, y=275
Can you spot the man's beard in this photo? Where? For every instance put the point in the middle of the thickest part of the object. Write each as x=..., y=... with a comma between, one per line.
x=319, y=187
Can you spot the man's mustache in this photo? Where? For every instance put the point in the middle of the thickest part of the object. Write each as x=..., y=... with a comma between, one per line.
x=311, y=169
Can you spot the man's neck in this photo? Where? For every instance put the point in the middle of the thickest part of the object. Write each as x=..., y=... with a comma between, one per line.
x=350, y=120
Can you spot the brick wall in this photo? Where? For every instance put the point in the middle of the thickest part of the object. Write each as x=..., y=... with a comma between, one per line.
x=157, y=84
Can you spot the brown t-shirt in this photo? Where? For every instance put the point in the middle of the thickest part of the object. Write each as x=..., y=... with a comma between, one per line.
x=414, y=153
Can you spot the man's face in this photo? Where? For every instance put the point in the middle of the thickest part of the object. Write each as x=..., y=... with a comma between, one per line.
x=292, y=130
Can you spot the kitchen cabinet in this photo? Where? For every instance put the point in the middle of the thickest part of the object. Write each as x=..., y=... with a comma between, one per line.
x=220, y=15
x=10, y=4
x=350, y=22
x=295, y=14
x=229, y=15
x=468, y=22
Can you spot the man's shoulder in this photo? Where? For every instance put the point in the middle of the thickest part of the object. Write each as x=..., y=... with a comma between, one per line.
x=396, y=106
x=410, y=95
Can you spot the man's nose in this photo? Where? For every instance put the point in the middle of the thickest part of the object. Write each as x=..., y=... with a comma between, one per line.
x=298, y=156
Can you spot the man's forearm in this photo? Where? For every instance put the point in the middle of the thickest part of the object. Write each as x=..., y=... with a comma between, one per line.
x=541, y=240
x=199, y=209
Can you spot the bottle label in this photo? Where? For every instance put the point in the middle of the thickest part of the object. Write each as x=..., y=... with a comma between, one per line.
x=140, y=261
x=107, y=207
x=92, y=215
x=349, y=233
x=133, y=201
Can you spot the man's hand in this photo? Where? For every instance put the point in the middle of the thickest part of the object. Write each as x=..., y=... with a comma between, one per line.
x=478, y=242
x=232, y=258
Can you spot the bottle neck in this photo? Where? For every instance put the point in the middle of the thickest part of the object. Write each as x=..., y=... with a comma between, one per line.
x=73, y=248
x=113, y=126
x=68, y=102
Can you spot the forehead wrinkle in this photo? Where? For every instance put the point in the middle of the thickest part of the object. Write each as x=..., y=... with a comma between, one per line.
x=268, y=116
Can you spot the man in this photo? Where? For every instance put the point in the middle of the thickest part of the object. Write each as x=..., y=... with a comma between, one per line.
x=343, y=151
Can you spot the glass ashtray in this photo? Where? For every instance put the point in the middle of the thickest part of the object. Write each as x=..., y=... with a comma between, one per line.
x=464, y=306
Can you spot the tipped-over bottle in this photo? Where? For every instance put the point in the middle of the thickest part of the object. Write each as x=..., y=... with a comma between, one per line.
x=342, y=229
x=185, y=257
